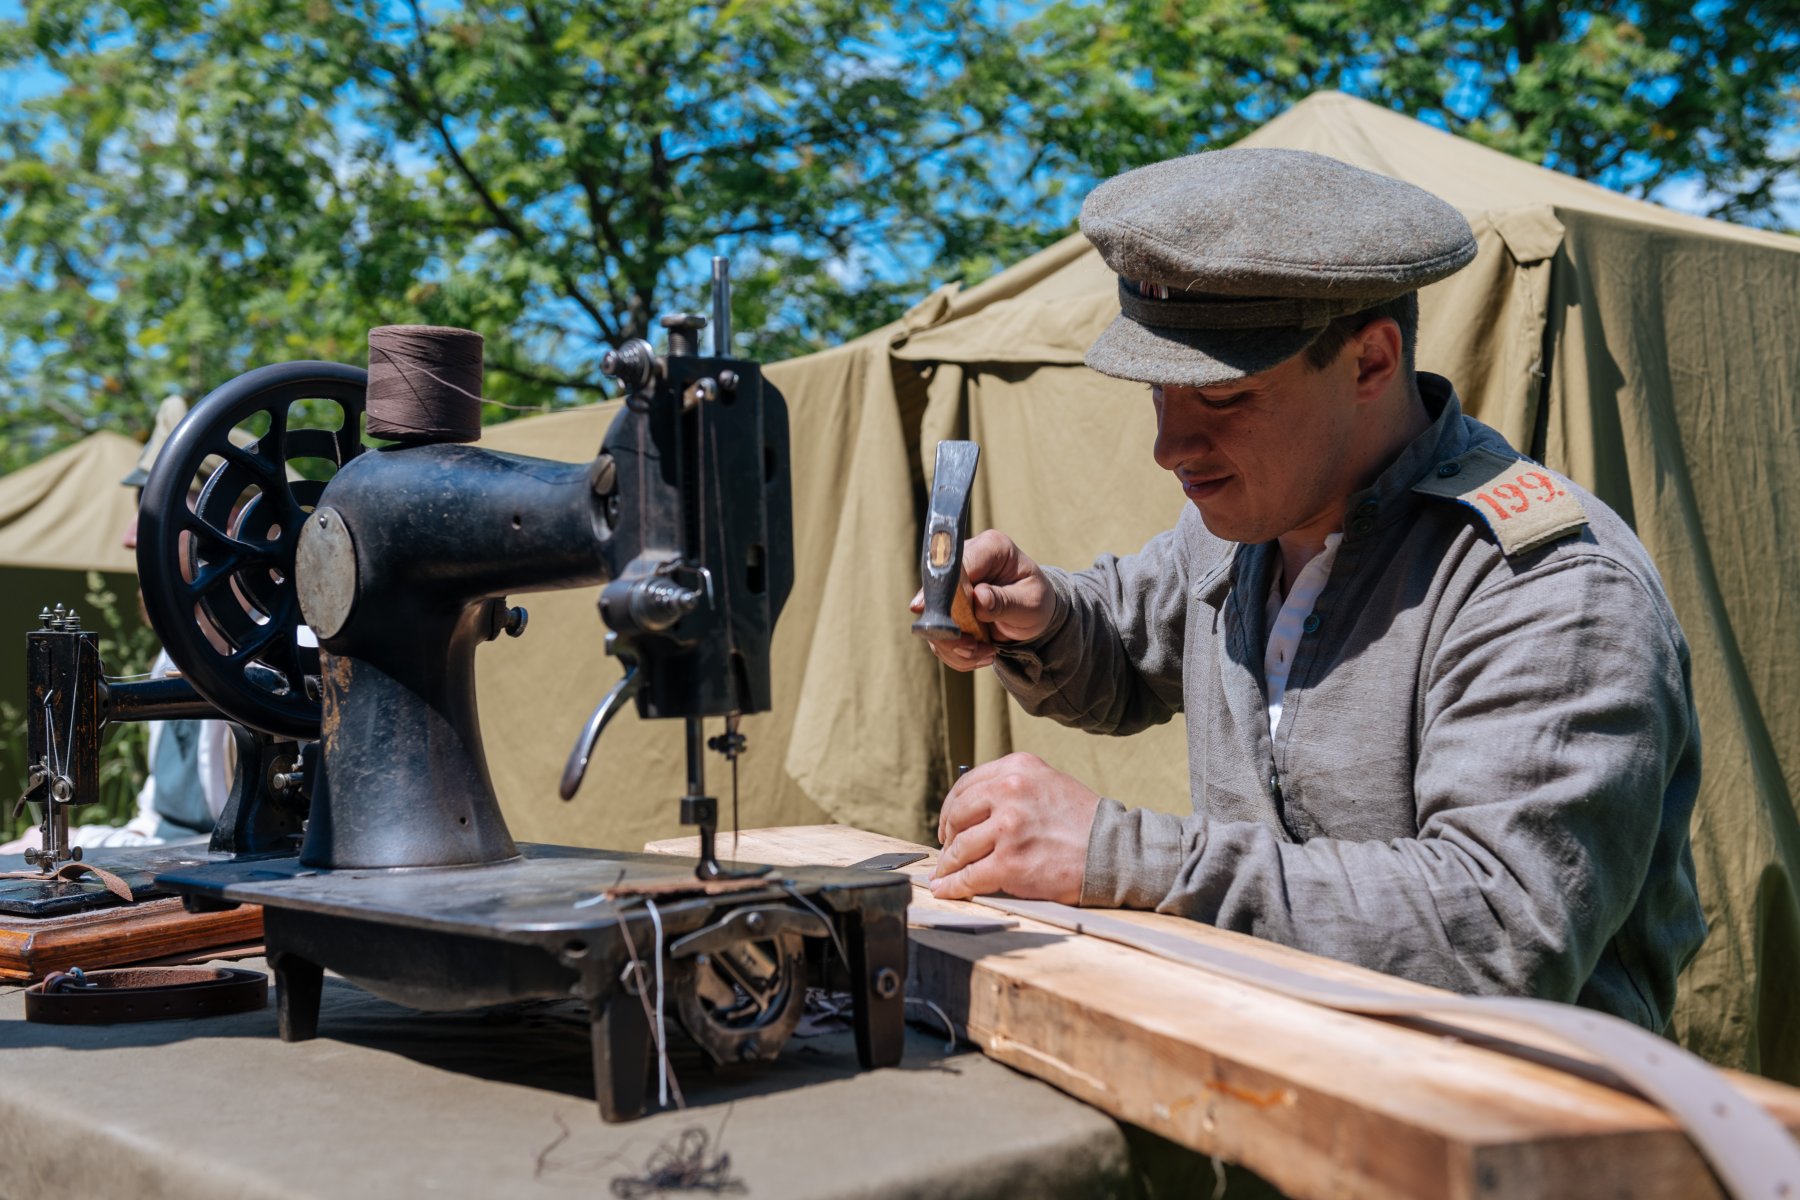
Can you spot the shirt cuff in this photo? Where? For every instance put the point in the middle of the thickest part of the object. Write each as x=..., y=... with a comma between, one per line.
x=1020, y=665
x=1134, y=857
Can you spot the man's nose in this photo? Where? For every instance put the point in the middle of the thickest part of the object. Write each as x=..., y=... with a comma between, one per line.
x=130, y=538
x=1181, y=435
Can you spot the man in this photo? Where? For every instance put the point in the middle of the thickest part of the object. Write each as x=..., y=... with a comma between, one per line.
x=1438, y=709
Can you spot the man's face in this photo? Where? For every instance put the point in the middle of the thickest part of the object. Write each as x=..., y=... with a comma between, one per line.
x=1264, y=455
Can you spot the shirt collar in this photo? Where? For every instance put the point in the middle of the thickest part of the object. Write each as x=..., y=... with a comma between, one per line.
x=1390, y=495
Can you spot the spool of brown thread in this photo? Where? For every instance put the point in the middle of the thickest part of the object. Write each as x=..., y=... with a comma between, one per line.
x=424, y=384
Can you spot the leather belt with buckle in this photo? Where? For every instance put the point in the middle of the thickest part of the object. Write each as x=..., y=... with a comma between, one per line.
x=77, y=997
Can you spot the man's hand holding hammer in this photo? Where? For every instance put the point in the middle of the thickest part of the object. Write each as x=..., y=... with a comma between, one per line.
x=1015, y=825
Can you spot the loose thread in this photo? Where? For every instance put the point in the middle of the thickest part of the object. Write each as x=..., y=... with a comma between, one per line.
x=683, y=1166
x=651, y=1015
x=830, y=925
x=662, y=1043
x=949, y=1028
x=405, y=368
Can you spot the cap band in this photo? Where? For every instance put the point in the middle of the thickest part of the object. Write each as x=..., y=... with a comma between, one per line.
x=1155, y=305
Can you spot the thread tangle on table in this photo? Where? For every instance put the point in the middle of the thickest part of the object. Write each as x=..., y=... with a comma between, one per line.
x=424, y=383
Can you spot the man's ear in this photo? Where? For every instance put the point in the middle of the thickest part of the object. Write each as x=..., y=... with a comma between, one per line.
x=1378, y=357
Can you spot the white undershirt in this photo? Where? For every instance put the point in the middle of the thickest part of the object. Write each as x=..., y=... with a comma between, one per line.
x=1287, y=620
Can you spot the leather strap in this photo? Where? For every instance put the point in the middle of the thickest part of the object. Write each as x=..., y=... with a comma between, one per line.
x=69, y=870
x=75, y=997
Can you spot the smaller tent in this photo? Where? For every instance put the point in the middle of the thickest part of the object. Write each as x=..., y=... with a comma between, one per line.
x=66, y=512
x=60, y=518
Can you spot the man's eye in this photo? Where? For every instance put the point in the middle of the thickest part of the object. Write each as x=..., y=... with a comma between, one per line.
x=1217, y=402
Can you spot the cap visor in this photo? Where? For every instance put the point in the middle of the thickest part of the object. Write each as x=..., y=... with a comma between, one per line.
x=1192, y=357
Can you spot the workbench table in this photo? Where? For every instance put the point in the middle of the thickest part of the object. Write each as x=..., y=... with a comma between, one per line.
x=390, y=1102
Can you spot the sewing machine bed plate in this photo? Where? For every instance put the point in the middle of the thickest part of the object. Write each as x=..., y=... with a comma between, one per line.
x=558, y=922
x=138, y=866
x=542, y=897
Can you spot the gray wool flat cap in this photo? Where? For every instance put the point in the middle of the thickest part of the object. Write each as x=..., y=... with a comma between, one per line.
x=1233, y=261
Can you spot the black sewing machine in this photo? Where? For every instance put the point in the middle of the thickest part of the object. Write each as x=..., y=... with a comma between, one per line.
x=407, y=881
x=70, y=703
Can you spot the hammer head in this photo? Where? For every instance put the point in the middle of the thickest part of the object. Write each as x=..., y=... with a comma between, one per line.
x=949, y=612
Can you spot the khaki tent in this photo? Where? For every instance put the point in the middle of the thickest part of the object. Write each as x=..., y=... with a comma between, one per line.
x=60, y=518
x=67, y=512
x=1652, y=356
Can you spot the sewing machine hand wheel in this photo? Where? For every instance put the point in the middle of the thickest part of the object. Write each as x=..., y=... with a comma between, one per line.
x=218, y=572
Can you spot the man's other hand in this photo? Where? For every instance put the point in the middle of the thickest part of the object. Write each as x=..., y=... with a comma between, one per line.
x=1015, y=825
x=1009, y=594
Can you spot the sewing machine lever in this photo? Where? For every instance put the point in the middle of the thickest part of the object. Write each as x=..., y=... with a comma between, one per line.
x=624, y=690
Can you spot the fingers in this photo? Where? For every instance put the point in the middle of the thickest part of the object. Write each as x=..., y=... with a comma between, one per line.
x=993, y=603
x=992, y=557
x=965, y=804
x=1015, y=825
x=964, y=654
x=980, y=878
x=971, y=845
x=1007, y=591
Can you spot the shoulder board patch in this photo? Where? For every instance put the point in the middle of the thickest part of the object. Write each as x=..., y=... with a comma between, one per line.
x=1525, y=505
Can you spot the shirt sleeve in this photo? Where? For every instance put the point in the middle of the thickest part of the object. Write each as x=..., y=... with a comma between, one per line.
x=1111, y=660
x=1558, y=760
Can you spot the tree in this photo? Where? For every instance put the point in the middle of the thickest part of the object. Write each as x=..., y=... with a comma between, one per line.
x=220, y=185
x=224, y=183
x=1628, y=93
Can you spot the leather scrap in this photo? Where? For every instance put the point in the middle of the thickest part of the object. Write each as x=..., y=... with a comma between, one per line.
x=69, y=870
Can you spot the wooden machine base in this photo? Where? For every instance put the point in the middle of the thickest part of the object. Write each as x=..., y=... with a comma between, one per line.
x=32, y=947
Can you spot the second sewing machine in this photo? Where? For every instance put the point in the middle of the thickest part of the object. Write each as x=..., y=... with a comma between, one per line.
x=407, y=881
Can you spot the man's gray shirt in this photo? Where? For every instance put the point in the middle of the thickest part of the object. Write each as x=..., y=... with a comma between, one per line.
x=1485, y=765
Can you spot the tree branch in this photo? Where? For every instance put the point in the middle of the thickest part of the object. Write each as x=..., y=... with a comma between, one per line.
x=433, y=115
x=556, y=381
x=601, y=234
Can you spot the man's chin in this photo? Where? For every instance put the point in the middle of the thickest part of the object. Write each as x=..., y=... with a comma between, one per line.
x=1223, y=526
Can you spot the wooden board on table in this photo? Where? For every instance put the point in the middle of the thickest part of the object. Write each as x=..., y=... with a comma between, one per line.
x=32, y=947
x=1321, y=1103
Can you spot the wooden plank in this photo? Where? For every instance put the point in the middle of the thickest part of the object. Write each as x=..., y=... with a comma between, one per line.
x=31, y=948
x=1321, y=1103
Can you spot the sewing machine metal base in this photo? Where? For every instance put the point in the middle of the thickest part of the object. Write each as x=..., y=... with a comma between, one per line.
x=559, y=922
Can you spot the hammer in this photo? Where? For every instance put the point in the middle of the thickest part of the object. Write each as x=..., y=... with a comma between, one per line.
x=949, y=610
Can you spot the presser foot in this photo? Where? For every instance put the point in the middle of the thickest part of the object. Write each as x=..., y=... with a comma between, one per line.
x=695, y=810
